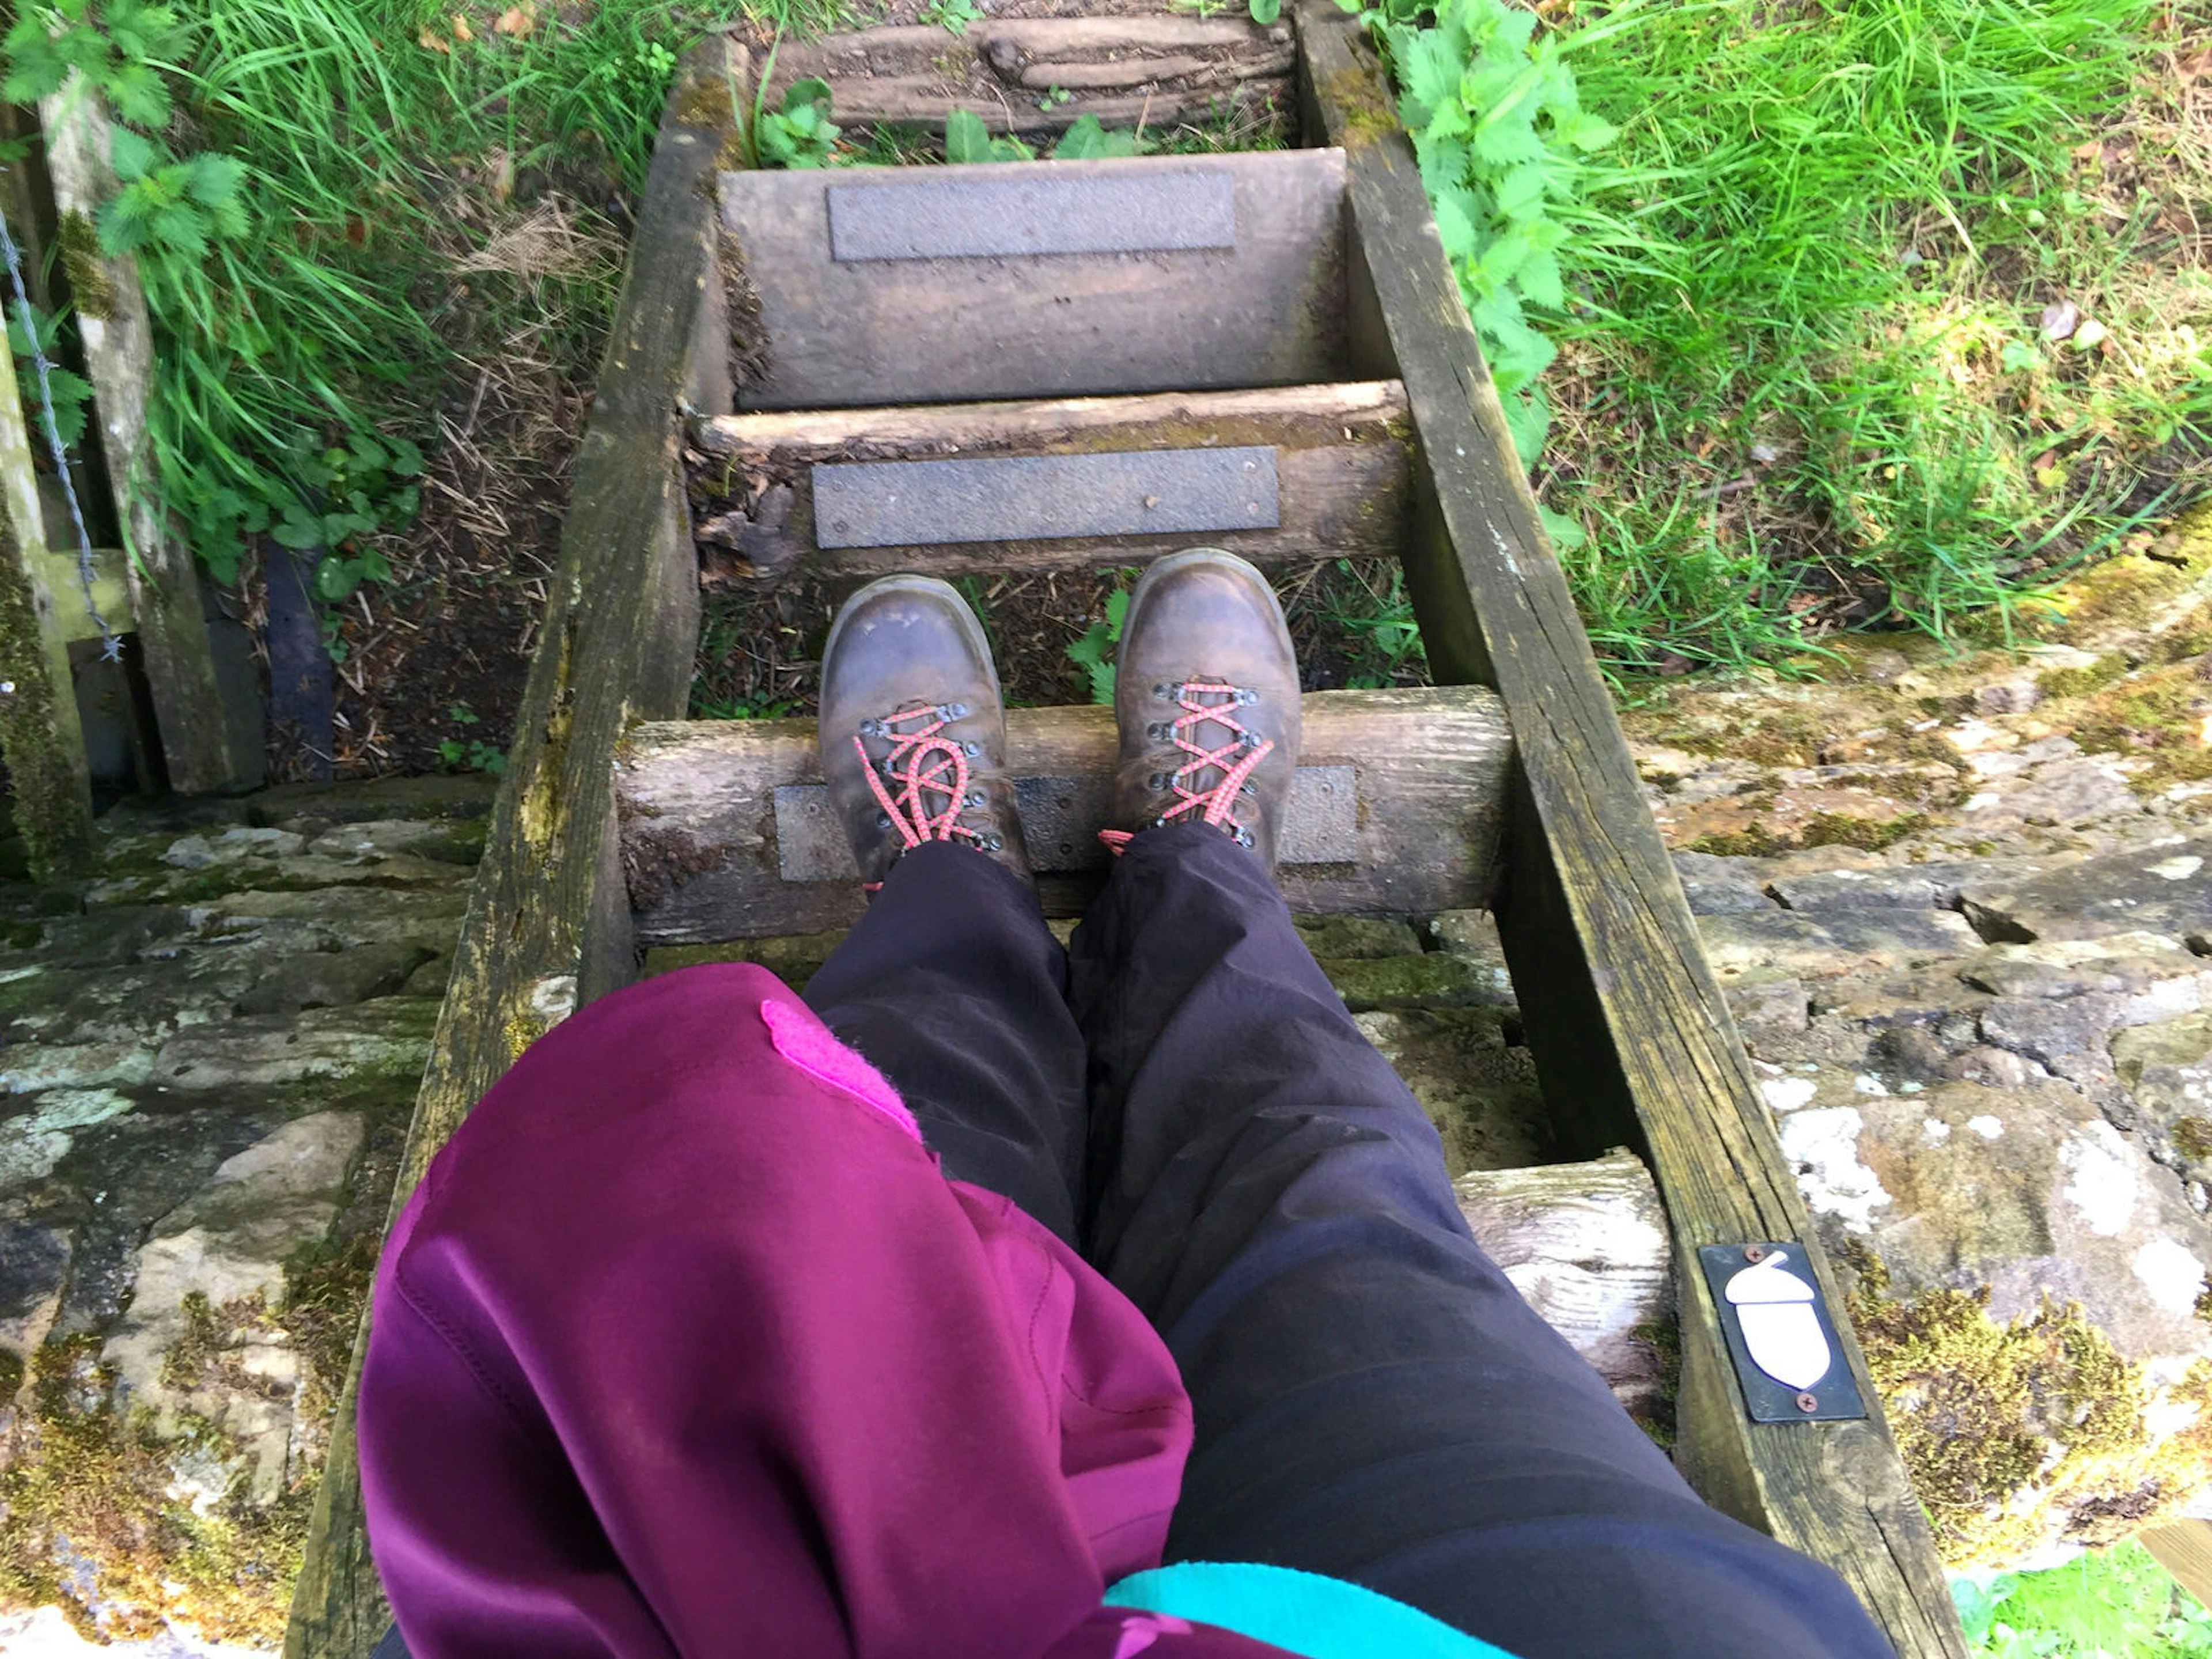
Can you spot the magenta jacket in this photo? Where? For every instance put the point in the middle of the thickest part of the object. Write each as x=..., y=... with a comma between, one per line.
x=685, y=1346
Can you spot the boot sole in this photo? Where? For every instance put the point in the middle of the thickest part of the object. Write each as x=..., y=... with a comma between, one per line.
x=971, y=626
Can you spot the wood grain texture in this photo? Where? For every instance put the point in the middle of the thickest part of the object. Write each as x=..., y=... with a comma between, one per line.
x=1630, y=1032
x=2183, y=1548
x=41, y=739
x=1268, y=312
x=698, y=811
x=1342, y=463
x=119, y=352
x=546, y=925
x=1586, y=1246
x=1159, y=70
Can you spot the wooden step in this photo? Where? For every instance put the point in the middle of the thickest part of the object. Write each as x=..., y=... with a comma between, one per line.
x=1038, y=75
x=1122, y=479
x=1026, y=279
x=726, y=832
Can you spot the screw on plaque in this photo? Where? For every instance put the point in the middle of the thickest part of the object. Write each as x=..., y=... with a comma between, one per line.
x=1754, y=1253
x=1808, y=1402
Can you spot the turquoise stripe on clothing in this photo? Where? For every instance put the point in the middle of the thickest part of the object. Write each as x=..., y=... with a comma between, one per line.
x=1301, y=1611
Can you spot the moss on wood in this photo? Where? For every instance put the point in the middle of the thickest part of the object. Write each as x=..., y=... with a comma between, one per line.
x=91, y=289
x=51, y=811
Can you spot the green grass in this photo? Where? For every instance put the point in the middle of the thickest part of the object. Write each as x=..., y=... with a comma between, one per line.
x=1803, y=382
x=2116, y=1603
x=379, y=149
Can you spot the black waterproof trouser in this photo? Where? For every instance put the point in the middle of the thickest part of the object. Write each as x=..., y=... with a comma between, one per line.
x=1182, y=1097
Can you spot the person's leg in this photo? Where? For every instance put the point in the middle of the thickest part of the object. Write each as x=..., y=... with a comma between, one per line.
x=952, y=987
x=951, y=983
x=1373, y=1399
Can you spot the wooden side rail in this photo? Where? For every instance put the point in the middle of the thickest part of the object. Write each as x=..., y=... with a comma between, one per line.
x=1630, y=1034
x=548, y=924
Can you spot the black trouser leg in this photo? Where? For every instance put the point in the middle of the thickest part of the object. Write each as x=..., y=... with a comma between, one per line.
x=1374, y=1400
x=953, y=988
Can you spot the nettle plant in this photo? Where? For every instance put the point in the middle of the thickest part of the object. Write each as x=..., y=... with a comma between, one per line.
x=1499, y=131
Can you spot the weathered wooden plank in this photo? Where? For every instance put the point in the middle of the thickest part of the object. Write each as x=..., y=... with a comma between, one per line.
x=111, y=591
x=823, y=331
x=119, y=352
x=704, y=837
x=41, y=740
x=1342, y=468
x=1159, y=70
x=547, y=921
x=2183, y=1548
x=1630, y=1032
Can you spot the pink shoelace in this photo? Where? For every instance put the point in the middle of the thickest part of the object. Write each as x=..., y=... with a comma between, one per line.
x=1205, y=702
x=922, y=784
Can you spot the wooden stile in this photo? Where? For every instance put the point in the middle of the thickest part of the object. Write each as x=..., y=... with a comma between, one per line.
x=1158, y=71
x=1341, y=455
x=620, y=827
x=1632, y=1036
x=1407, y=786
x=1266, y=309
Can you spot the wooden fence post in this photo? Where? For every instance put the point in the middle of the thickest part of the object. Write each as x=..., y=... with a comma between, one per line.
x=119, y=352
x=40, y=737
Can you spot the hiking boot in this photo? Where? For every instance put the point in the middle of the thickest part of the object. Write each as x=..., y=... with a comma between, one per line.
x=1207, y=699
x=914, y=734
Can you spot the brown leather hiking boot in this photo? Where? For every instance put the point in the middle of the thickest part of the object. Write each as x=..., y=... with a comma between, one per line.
x=914, y=734
x=1206, y=698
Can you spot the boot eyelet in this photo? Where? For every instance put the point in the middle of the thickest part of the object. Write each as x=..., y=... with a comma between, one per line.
x=883, y=821
x=995, y=843
x=975, y=798
x=1247, y=789
x=1247, y=697
x=1157, y=731
x=971, y=750
x=1162, y=690
x=954, y=711
x=1158, y=781
x=1244, y=837
x=872, y=728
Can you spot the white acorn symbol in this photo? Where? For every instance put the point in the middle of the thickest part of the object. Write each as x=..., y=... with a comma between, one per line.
x=1783, y=1334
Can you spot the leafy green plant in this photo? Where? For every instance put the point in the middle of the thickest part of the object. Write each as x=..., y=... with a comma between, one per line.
x=799, y=134
x=951, y=15
x=116, y=49
x=174, y=205
x=1498, y=130
x=967, y=140
x=1381, y=636
x=1085, y=140
x=1264, y=12
x=1093, y=652
x=473, y=752
x=72, y=391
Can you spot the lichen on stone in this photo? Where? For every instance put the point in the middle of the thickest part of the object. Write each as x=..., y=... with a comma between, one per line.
x=90, y=1520
x=2001, y=1422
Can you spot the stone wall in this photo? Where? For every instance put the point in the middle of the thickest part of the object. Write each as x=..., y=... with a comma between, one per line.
x=207, y=1055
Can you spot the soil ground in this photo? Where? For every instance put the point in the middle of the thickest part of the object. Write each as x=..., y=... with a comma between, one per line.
x=761, y=651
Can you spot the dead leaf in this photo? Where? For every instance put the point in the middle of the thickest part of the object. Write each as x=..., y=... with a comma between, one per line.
x=461, y=29
x=431, y=40
x=516, y=21
x=2060, y=319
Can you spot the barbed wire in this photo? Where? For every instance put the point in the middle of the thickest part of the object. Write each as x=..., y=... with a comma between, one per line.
x=111, y=647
